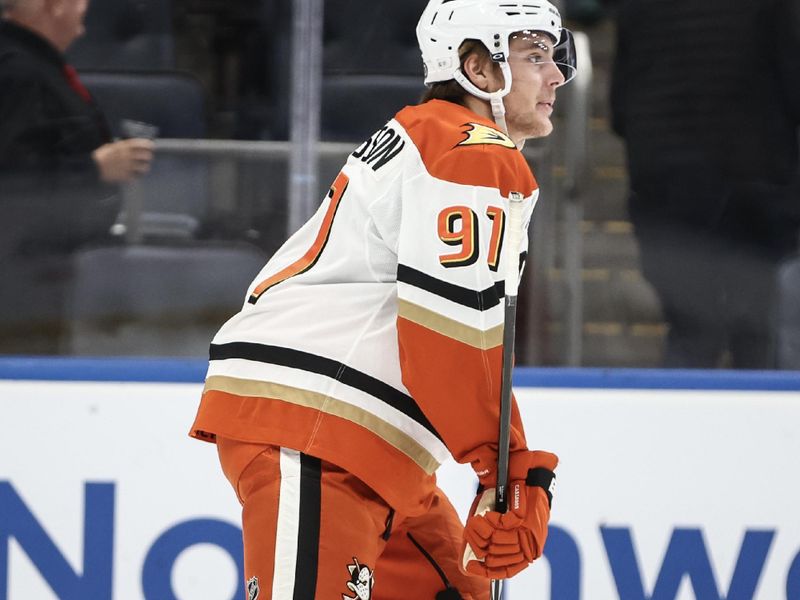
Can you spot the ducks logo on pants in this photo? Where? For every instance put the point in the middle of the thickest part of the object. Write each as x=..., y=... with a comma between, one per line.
x=361, y=581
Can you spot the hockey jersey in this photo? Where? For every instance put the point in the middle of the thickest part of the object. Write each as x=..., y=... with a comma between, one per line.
x=373, y=338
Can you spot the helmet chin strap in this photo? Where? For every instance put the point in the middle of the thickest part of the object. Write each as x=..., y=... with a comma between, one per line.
x=495, y=99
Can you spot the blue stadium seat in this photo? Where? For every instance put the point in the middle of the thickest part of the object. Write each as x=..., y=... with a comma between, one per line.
x=32, y=303
x=126, y=34
x=175, y=196
x=372, y=67
x=372, y=38
x=172, y=100
x=355, y=106
x=165, y=300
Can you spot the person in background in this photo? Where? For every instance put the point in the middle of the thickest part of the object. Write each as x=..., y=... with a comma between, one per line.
x=59, y=168
x=707, y=98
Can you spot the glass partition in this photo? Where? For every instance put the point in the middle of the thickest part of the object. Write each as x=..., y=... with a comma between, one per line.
x=253, y=107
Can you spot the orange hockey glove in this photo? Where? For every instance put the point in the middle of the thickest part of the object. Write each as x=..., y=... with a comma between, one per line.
x=498, y=546
x=484, y=461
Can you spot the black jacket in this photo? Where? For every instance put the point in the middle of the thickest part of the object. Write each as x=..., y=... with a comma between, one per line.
x=51, y=195
x=708, y=89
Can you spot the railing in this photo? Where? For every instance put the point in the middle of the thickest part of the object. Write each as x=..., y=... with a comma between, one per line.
x=576, y=159
x=306, y=104
x=227, y=168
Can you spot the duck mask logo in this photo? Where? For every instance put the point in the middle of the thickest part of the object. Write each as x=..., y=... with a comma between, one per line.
x=361, y=582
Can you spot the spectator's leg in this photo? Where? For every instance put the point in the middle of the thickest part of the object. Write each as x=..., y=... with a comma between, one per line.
x=680, y=262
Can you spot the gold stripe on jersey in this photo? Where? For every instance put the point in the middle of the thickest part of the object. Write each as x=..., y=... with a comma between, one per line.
x=477, y=338
x=328, y=405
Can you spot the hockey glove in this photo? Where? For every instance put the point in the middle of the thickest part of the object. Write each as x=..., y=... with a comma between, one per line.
x=519, y=463
x=498, y=546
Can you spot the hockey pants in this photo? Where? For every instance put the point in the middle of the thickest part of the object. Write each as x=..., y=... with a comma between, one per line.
x=313, y=531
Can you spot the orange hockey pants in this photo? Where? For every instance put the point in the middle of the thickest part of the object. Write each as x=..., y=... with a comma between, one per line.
x=313, y=531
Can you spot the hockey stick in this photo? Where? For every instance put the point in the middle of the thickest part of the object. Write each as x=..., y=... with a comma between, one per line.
x=511, y=273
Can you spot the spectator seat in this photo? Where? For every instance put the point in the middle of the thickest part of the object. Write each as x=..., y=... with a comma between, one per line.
x=174, y=197
x=165, y=300
x=126, y=35
x=355, y=106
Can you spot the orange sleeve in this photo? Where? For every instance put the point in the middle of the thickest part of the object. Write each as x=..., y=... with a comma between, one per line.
x=450, y=315
x=458, y=389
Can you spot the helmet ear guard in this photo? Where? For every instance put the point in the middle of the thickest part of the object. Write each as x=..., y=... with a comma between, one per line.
x=494, y=98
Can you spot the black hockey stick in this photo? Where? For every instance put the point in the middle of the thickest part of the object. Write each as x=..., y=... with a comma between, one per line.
x=511, y=273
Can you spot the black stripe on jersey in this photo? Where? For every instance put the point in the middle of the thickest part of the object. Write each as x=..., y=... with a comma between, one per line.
x=305, y=575
x=296, y=359
x=484, y=300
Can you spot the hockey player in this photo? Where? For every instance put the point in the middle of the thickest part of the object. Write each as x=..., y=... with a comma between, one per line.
x=368, y=350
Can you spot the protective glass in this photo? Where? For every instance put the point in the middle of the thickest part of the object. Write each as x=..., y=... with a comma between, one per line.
x=561, y=54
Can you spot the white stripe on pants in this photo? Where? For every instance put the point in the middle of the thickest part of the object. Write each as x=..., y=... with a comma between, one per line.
x=288, y=524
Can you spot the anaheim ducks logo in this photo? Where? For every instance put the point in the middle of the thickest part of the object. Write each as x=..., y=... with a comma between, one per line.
x=361, y=581
x=478, y=134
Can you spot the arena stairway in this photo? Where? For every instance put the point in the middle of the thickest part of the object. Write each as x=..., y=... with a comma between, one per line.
x=622, y=323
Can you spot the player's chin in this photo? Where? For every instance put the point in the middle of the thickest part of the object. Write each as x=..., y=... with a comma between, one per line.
x=540, y=126
x=532, y=125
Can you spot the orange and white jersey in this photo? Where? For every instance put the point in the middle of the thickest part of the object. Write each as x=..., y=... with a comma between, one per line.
x=373, y=338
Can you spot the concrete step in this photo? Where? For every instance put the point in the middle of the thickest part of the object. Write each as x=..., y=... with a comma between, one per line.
x=609, y=244
x=605, y=146
x=606, y=244
x=632, y=346
x=621, y=296
x=611, y=344
x=622, y=319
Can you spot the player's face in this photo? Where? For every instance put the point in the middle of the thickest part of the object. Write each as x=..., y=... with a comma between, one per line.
x=535, y=78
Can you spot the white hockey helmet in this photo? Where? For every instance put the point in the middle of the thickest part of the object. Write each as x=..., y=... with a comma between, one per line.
x=446, y=24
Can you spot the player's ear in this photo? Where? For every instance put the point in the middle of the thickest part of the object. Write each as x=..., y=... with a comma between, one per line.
x=481, y=71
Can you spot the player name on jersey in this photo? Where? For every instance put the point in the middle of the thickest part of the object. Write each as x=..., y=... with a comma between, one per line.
x=382, y=147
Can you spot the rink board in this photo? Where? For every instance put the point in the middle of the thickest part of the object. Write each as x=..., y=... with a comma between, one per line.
x=672, y=485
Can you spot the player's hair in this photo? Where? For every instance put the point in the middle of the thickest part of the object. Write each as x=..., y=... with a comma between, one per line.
x=451, y=90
